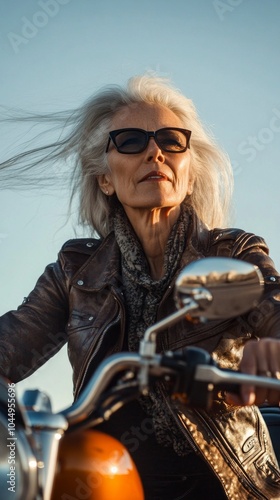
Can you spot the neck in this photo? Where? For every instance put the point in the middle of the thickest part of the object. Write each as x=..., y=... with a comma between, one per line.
x=153, y=228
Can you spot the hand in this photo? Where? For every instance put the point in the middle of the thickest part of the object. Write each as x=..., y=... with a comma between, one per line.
x=259, y=358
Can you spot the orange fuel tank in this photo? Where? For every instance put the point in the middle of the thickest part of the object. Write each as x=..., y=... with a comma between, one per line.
x=95, y=466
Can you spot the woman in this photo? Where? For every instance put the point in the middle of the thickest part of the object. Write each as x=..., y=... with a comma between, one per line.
x=153, y=185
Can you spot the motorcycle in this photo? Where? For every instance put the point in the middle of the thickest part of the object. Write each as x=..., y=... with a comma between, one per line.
x=51, y=456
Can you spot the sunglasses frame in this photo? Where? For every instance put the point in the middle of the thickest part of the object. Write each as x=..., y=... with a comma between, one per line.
x=148, y=134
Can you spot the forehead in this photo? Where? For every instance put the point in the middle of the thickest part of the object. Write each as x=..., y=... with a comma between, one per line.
x=145, y=116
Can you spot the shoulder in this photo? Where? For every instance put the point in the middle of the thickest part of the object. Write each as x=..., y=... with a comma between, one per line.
x=228, y=241
x=84, y=246
x=74, y=253
x=239, y=244
x=235, y=241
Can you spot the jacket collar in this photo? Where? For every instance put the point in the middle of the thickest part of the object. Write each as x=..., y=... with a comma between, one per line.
x=102, y=269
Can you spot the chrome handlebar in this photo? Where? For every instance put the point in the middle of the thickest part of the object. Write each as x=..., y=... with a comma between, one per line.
x=189, y=367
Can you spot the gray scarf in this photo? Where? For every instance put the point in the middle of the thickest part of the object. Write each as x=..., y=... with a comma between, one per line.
x=142, y=298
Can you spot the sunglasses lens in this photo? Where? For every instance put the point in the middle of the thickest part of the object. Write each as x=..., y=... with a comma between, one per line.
x=131, y=141
x=172, y=140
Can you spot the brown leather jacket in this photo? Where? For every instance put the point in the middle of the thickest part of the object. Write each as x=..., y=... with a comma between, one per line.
x=79, y=300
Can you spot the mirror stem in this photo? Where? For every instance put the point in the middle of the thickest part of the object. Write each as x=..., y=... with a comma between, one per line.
x=148, y=343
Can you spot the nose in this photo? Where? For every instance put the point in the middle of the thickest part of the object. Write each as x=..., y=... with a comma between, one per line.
x=153, y=152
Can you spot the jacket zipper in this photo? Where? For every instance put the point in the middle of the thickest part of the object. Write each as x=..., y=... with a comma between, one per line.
x=95, y=349
x=182, y=428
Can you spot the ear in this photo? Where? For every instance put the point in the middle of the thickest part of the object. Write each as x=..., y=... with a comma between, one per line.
x=190, y=186
x=105, y=184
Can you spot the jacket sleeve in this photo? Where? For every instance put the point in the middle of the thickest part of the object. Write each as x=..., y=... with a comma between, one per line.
x=36, y=331
x=264, y=320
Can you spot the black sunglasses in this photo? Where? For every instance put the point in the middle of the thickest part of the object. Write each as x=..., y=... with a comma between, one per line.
x=135, y=140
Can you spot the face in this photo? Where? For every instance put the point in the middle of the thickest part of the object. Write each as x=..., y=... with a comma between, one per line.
x=151, y=179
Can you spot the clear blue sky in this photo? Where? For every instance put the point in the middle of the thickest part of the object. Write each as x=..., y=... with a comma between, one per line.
x=56, y=53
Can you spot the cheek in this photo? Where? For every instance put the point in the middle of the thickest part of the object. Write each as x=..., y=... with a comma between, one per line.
x=183, y=161
x=183, y=172
x=122, y=184
x=118, y=167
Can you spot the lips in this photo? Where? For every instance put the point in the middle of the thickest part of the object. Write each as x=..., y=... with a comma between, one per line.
x=155, y=175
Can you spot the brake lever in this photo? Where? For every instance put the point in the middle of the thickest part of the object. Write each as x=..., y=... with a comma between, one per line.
x=231, y=380
x=199, y=378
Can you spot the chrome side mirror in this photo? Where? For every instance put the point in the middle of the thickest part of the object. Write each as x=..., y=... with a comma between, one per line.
x=221, y=287
x=210, y=288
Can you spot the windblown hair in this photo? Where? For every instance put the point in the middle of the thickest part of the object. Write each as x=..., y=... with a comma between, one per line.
x=84, y=146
